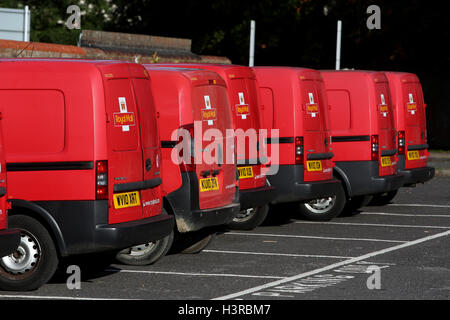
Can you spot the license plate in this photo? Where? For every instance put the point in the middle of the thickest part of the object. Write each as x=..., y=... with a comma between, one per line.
x=314, y=165
x=209, y=184
x=413, y=155
x=386, y=161
x=245, y=172
x=125, y=200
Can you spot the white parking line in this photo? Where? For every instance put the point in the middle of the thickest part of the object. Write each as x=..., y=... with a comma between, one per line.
x=193, y=274
x=418, y=205
x=367, y=213
x=14, y=296
x=373, y=225
x=276, y=254
x=332, y=266
x=310, y=237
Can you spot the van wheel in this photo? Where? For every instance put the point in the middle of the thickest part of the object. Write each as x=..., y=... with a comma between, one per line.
x=355, y=203
x=383, y=199
x=147, y=253
x=192, y=242
x=323, y=209
x=249, y=219
x=35, y=260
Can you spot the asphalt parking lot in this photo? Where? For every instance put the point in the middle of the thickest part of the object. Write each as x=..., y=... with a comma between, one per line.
x=398, y=251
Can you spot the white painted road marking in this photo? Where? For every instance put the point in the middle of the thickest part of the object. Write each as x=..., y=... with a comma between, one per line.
x=418, y=205
x=194, y=274
x=310, y=237
x=276, y=254
x=373, y=225
x=367, y=213
x=30, y=297
x=333, y=266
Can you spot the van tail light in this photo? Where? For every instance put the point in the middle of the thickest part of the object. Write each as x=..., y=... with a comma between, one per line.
x=101, y=180
x=298, y=150
x=401, y=142
x=190, y=165
x=374, y=147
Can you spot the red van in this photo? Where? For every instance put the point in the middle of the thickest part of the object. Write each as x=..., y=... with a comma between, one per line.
x=82, y=154
x=199, y=194
x=411, y=126
x=293, y=100
x=9, y=238
x=255, y=193
x=363, y=134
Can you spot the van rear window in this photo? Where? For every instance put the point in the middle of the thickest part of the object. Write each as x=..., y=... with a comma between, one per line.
x=34, y=120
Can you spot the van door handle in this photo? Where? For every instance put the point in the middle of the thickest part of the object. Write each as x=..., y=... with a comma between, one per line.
x=148, y=164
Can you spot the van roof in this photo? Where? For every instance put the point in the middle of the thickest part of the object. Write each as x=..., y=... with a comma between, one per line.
x=302, y=73
x=402, y=76
x=136, y=70
x=376, y=76
x=225, y=70
x=196, y=76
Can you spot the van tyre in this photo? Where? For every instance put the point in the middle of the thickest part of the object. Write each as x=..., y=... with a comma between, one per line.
x=249, y=219
x=192, y=242
x=383, y=199
x=323, y=209
x=147, y=253
x=35, y=260
x=355, y=203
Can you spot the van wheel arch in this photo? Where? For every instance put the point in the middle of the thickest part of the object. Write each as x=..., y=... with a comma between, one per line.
x=27, y=208
x=338, y=173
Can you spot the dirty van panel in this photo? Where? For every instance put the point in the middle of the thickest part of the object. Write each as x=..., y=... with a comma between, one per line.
x=151, y=200
x=216, y=177
x=386, y=133
x=124, y=150
x=41, y=114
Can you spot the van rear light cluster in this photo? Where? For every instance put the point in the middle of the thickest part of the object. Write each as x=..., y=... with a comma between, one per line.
x=401, y=142
x=298, y=150
x=374, y=147
x=188, y=166
x=101, y=180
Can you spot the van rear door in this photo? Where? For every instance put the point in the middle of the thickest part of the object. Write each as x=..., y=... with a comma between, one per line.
x=126, y=161
x=152, y=204
x=216, y=177
x=386, y=130
x=316, y=134
x=244, y=106
x=415, y=125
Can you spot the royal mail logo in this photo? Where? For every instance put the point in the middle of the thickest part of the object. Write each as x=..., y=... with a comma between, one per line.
x=384, y=108
x=412, y=106
x=242, y=109
x=312, y=108
x=124, y=119
x=209, y=114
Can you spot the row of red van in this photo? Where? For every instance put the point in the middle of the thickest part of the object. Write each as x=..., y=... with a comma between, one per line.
x=88, y=151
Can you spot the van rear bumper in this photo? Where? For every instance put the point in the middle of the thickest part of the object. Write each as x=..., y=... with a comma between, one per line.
x=256, y=197
x=127, y=234
x=9, y=241
x=82, y=227
x=361, y=178
x=414, y=175
x=290, y=185
x=185, y=204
